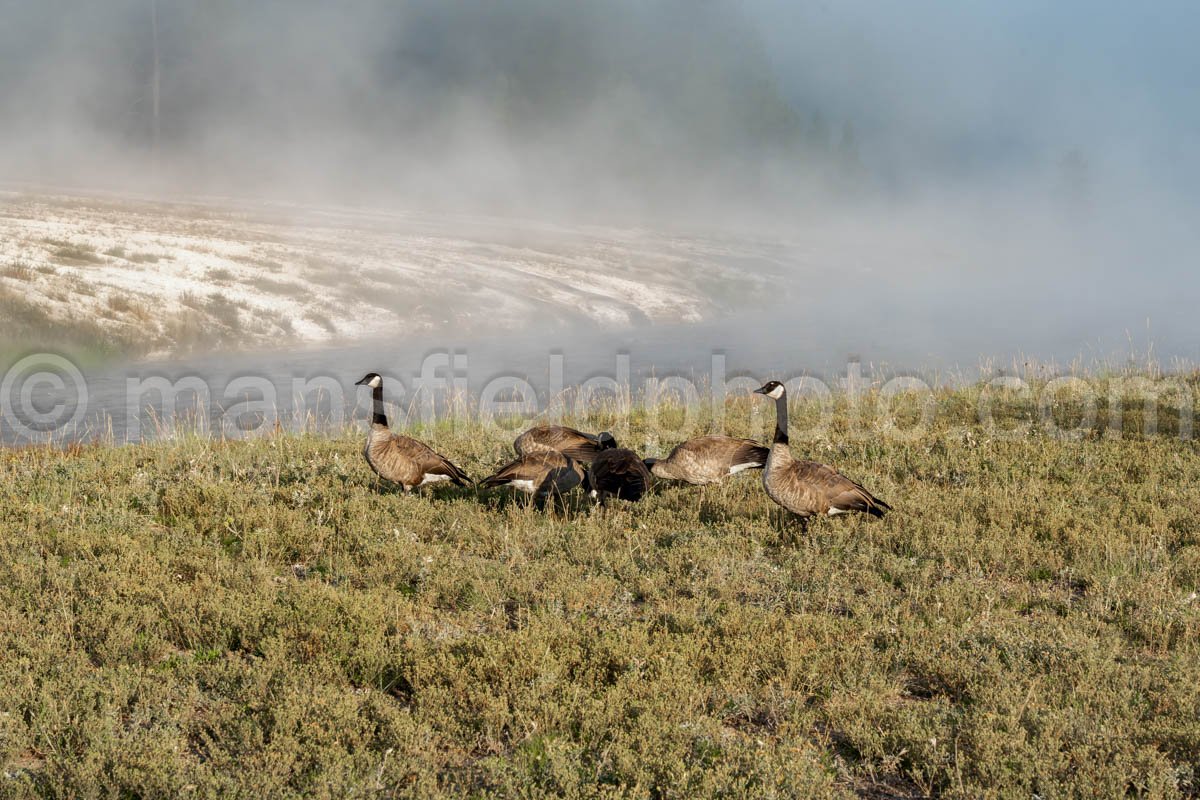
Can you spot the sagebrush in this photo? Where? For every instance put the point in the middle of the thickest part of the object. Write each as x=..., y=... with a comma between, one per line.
x=195, y=618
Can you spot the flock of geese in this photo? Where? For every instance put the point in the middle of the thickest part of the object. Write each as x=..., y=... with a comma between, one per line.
x=552, y=460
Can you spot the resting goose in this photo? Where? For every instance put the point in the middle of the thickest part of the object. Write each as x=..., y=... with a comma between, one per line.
x=401, y=459
x=540, y=474
x=807, y=488
x=617, y=473
x=556, y=438
x=709, y=459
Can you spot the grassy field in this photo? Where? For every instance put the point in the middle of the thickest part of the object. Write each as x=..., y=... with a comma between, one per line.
x=193, y=618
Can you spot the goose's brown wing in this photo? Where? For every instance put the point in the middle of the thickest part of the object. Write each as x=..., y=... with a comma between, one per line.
x=530, y=467
x=559, y=439
x=709, y=459
x=619, y=472
x=512, y=471
x=740, y=452
x=428, y=461
x=835, y=491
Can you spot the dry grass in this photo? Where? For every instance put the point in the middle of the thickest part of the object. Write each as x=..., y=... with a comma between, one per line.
x=17, y=271
x=259, y=619
x=119, y=325
x=129, y=309
x=278, y=287
x=67, y=252
x=134, y=257
x=224, y=311
x=27, y=325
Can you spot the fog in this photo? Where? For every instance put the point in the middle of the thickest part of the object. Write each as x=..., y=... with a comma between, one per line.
x=497, y=106
x=1015, y=177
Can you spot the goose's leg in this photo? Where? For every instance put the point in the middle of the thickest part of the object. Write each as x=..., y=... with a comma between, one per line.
x=723, y=491
x=787, y=533
x=801, y=523
x=556, y=503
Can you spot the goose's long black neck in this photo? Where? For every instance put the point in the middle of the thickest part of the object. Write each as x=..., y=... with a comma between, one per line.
x=781, y=420
x=377, y=416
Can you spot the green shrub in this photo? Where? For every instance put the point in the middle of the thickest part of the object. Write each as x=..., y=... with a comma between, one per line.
x=260, y=618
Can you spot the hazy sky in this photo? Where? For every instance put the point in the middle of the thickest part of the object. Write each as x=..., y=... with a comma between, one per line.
x=984, y=84
x=657, y=101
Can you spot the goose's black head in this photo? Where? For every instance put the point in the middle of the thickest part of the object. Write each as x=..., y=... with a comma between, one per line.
x=606, y=441
x=773, y=389
x=371, y=379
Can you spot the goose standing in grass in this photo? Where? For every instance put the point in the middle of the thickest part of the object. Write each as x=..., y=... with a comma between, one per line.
x=539, y=474
x=808, y=488
x=617, y=473
x=401, y=459
x=709, y=459
x=559, y=439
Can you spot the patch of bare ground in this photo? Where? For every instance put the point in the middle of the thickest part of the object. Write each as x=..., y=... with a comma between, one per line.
x=321, y=269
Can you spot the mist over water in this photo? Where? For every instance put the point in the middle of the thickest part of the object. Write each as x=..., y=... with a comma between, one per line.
x=943, y=184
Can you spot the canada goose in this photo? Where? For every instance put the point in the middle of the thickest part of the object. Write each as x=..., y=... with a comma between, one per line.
x=617, y=472
x=401, y=459
x=539, y=474
x=556, y=438
x=709, y=459
x=807, y=488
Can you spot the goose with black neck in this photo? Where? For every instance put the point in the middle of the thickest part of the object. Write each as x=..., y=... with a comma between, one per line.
x=809, y=488
x=402, y=459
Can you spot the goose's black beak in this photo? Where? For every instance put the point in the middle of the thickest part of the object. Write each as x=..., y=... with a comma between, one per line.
x=363, y=382
x=760, y=390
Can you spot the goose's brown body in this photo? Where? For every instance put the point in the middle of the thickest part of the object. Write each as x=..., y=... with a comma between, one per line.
x=404, y=460
x=540, y=474
x=809, y=488
x=618, y=473
x=558, y=439
x=710, y=459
